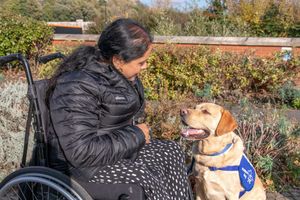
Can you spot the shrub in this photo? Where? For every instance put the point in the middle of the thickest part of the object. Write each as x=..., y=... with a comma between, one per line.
x=13, y=112
x=47, y=70
x=289, y=95
x=23, y=35
x=296, y=103
x=271, y=144
x=175, y=71
x=199, y=24
x=165, y=25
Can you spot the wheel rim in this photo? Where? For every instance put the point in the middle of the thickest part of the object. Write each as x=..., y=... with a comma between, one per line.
x=72, y=191
x=35, y=189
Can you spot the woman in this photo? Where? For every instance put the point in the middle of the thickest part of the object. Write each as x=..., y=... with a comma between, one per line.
x=95, y=99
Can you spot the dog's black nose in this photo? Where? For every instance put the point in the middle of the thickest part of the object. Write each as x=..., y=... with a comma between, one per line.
x=183, y=112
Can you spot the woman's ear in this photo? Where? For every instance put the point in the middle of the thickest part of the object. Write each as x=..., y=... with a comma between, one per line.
x=117, y=62
x=227, y=123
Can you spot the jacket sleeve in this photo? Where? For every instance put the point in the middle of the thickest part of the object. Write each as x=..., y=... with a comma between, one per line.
x=73, y=112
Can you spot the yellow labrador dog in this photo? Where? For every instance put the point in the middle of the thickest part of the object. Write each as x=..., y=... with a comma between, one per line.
x=222, y=170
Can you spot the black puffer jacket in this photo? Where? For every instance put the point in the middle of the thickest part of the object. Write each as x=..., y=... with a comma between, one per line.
x=92, y=112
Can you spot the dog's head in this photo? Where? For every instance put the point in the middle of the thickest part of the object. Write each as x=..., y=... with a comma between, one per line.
x=206, y=120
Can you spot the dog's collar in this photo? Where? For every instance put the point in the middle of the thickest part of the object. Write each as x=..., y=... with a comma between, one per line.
x=226, y=148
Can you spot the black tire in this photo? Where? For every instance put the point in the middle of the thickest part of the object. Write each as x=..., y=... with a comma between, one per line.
x=24, y=180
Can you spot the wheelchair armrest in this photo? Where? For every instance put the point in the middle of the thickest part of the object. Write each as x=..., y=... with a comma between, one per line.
x=118, y=191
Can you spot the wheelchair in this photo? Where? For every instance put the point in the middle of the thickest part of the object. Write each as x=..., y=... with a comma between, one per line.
x=34, y=179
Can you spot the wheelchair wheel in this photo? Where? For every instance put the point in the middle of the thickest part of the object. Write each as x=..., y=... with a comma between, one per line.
x=37, y=183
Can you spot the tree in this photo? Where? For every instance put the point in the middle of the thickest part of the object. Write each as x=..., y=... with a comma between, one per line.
x=107, y=11
x=265, y=17
x=271, y=22
x=217, y=9
x=81, y=9
x=48, y=10
x=28, y=8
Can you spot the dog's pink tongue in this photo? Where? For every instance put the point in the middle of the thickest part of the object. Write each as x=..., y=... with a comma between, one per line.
x=190, y=132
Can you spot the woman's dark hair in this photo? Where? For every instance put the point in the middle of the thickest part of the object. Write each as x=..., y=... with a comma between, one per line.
x=124, y=38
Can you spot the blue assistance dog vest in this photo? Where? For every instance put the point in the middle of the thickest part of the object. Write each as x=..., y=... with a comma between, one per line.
x=246, y=172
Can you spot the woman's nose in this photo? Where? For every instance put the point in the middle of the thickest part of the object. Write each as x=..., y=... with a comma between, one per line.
x=144, y=66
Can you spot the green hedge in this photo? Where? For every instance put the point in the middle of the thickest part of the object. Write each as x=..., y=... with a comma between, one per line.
x=23, y=35
x=175, y=71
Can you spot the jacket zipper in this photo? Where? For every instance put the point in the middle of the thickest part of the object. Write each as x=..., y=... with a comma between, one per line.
x=133, y=88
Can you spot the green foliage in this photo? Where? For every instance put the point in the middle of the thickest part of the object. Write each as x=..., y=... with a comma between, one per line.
x=265, y=163
x=28, y=8
x=53, y=10
x=289, y=95
x=296, y=103
x=272, y=22
x=205, y=93
x=70, y=10
x=294, y=30
x=221, y=18
x=293, y=162
x=175, y=71
x=23, y=35
x=48, y=69
x=165, y=25
x=217, y=8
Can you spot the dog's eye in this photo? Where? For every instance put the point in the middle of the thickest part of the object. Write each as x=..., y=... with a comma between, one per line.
x=206, y=112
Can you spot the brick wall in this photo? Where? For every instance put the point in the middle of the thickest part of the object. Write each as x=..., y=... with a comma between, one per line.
x=260, y=46
x=263, y=51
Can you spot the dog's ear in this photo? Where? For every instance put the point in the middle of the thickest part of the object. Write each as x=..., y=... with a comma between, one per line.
x=227, y=123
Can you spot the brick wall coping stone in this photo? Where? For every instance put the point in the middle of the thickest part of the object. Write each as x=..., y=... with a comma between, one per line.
x=241, y=41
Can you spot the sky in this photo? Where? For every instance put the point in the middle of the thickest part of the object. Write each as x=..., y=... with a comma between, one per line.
x=179, y=4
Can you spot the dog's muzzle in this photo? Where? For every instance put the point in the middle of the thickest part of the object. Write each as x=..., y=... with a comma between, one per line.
x=194, y=134
x=191, y=133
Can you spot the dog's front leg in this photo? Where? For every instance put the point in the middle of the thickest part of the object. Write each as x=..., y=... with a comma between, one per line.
x=231, y=197
x=200, y=193
x=214, y=191
x=208, y=189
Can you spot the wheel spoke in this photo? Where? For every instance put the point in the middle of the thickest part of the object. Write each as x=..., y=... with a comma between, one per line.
x=14, y=192
x=20, y=190
x=32, y=192
x=48, y=196
x=42, y=189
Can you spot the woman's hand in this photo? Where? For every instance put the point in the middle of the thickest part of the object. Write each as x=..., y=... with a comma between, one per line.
x=146, y=131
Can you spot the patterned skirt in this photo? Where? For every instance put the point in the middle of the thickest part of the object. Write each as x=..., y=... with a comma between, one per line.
x=159, y=169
